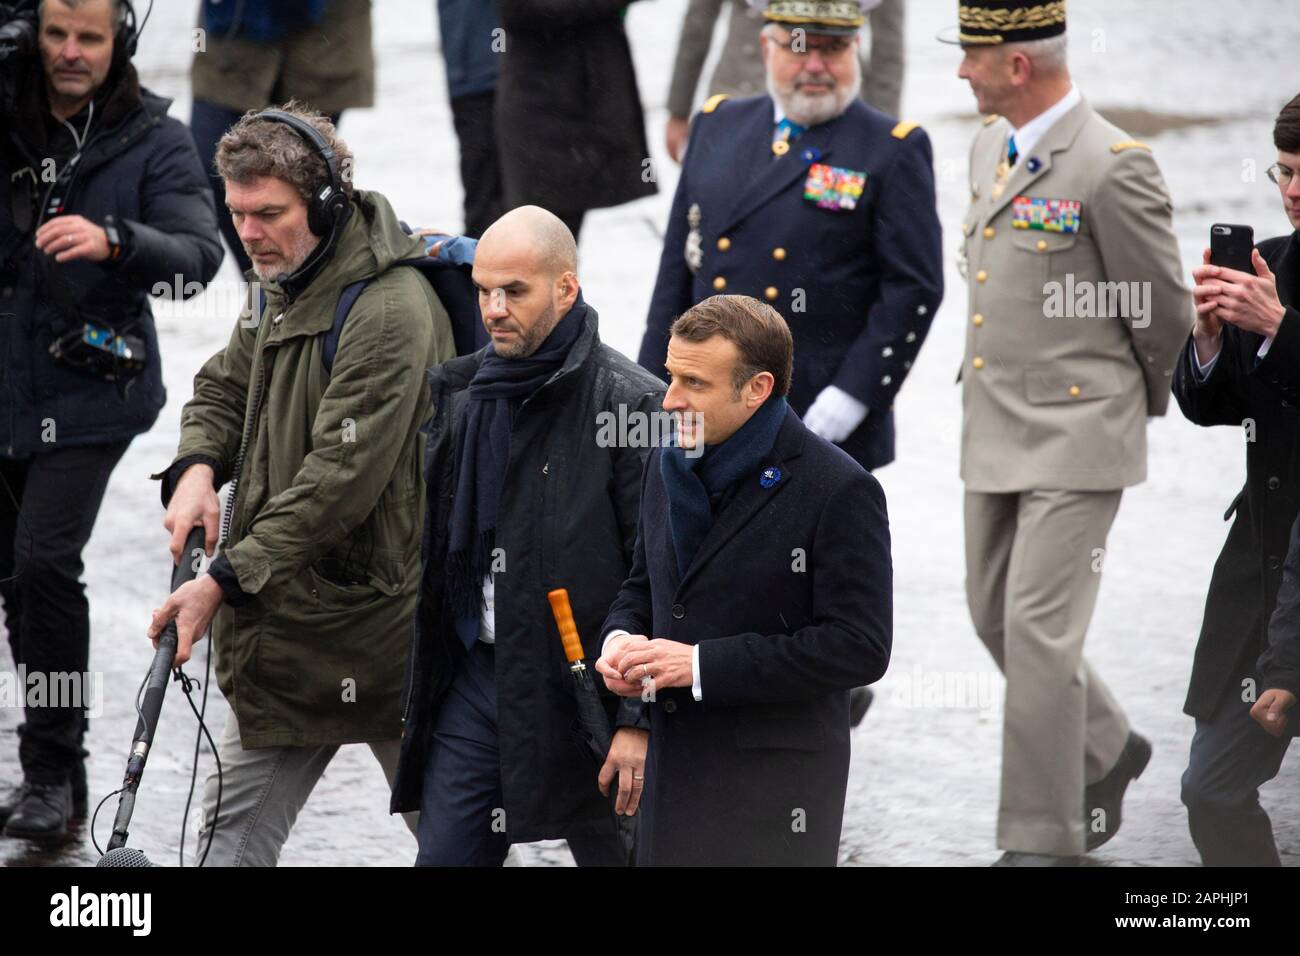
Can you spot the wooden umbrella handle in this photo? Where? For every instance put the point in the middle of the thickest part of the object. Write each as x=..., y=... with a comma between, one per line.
x=563, y=613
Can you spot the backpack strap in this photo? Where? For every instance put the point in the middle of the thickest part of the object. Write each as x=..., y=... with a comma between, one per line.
x=454, y=289
x=330, y=344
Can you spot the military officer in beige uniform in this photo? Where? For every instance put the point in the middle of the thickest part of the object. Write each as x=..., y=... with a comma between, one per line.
x=1077, y=313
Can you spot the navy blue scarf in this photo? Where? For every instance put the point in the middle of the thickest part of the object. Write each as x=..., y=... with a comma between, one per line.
x=693, y=484
x=496, y=391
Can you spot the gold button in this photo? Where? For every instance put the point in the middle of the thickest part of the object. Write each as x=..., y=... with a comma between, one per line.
x=977, y=319
x=981, y=276
x=989, y=232
x=770, y=293
x=724, y=244
x=1042, y=245
x=1074, y=391
x=978, y=363
x=778, y=254
x=719, y=283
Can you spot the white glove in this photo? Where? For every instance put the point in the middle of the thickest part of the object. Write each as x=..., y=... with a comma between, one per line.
x=834, y=414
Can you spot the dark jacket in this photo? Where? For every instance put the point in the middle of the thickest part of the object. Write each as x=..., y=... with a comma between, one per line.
x=140, y=167
x=262, y=52
x=790, y=599
x=1279, y=665
x=570, y=130
x=1260, y=395
x=858, y=287
x=325, y=521
x=465, y=28
x=567, y=520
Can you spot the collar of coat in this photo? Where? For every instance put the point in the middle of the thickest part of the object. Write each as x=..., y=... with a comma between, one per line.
x=750, y=495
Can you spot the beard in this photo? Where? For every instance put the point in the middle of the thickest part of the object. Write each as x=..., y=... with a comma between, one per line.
x=299, y=246
x=530, y=340
x=813, y=109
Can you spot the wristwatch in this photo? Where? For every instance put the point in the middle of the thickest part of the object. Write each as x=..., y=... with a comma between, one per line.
x=116, y=245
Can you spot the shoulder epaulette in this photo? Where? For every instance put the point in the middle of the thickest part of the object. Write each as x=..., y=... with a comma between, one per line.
x=712, y=102
x=1128, y=144
x=991, y=119
x=902, y=129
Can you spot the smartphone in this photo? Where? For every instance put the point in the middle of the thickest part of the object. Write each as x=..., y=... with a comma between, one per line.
x=1231, y=246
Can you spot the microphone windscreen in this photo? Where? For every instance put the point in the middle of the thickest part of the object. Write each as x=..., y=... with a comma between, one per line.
x=124, y=856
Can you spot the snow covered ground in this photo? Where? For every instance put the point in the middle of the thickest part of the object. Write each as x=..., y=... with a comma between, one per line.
x=924, y=778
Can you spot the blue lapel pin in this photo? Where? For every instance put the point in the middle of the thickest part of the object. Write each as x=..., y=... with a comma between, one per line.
x=1034, y=164
x=770, y=476
x=811, y=155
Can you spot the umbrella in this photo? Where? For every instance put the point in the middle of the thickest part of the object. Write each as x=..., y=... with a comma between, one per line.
x=593, y=720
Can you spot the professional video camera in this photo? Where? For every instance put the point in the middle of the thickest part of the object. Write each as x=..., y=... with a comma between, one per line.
x=18, y=23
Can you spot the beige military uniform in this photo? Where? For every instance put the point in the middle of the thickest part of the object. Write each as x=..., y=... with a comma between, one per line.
x=1078, y=311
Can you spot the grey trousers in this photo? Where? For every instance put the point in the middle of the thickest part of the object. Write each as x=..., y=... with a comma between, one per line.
x=1033, y=569
x=262, y=791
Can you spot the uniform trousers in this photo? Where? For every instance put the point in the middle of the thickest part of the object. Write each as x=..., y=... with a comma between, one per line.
x=1033, y=569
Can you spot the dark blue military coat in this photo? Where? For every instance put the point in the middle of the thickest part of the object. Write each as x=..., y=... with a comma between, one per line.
x=858, y=279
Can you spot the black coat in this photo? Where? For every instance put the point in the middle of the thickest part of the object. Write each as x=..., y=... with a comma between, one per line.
x=858, y=287
x=1279, y=665
x=1244, y=586
x=141, y=167
x=570, y=131
x=790, y=599
x=567, y=520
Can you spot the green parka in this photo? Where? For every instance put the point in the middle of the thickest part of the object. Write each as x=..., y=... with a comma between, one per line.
x=330, y=478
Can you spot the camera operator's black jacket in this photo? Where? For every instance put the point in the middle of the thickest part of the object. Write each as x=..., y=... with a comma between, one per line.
x=139, y=166
x=1262, y=397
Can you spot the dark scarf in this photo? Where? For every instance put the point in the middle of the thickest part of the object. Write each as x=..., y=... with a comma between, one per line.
x=693, y=484
x=496, y=391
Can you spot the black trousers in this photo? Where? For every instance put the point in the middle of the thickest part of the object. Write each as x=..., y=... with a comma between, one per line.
x=1231, y=758
x=461, y=823
x=47, y=512
x=480, y=167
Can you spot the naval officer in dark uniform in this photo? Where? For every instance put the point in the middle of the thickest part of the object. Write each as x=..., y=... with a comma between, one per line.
x=822, y=206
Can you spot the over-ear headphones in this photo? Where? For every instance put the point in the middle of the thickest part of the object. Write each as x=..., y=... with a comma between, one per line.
x=328, y=202
x=126, y=37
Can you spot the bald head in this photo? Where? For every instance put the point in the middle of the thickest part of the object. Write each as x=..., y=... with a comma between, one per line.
x=532, y=233
x=525, y=273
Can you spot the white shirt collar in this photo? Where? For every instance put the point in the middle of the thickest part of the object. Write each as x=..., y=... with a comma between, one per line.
x=1029, y=134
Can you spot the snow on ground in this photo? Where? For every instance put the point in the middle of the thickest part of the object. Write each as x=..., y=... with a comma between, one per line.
x=924, y=777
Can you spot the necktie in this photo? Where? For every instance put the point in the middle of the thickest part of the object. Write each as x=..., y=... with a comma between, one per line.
x=1012, y=153
x=784, y=134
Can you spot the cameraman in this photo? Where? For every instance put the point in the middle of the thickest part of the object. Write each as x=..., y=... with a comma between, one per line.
x=1241, y=367
x=102, y=197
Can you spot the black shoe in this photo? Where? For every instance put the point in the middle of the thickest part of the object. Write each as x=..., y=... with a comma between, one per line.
x=1107, y=794
x=1014, y=858
x=42, y=812
x=860, y=699
x=9, y=801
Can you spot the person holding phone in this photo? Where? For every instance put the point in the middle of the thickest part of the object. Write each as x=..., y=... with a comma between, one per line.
x=1241, y=368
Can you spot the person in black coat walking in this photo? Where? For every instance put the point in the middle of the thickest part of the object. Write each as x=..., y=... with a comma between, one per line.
x=570, y=130
x=532, y=485
x=1279, y=665
x=102, y=202
x=760, y=594
x=1241, y=368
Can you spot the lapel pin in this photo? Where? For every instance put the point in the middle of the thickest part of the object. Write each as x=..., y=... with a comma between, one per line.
x=1034, y=164
x=770, y=476
x=811, y=155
